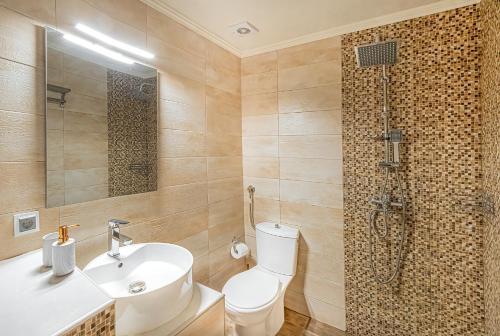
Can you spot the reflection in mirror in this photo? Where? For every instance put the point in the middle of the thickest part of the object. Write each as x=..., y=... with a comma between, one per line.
x=101, y=125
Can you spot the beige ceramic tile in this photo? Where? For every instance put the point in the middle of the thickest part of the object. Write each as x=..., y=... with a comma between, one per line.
x=20, y=39
x=179, y=116
x=261, y=167
x=224, y=167
x=318, y=288
x=312, y=170
x=309, y=123
x=88, y=249
x=197, y=244
x=175, y=143
x=309, y=216
x=259, y=104
x=83, y=68
x=259, y=63
x=219, y=190
x=223, y=101
x=21, y=88
x=201, y=268
x=262, y=146
x=325, y=266
x=84, y=122
x=223, y=145
x=211, y=323
x=85, y=150
x=230, y=210
x=85, y=104
x=175, y=171
x=55, y=150
x=309, y=53
x=259, y=83
x=328, y=195
x=42, y=11
x=183, y=197
x=224, y=233
x=85, y=193
x=260, y=125
x=132, y=12
x=22, y=137
x=85, y=86
x=174, y=34
x=220, y=258
x=86, y=177
x=313, y=99
x=22, y=185
x=223, y=78
x=176, y=61
x=219, y=57
x=311, y=146
x=182, y=90
x=219, y=279
x=308, y=76
x=266, y=209
x=55, y=119
x=264, y=187
x=180, y=226
x=221, y=122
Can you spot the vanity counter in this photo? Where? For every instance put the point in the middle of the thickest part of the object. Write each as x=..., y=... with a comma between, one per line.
x=35, y=302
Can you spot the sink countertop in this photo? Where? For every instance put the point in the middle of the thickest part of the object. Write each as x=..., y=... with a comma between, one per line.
x=35, y=302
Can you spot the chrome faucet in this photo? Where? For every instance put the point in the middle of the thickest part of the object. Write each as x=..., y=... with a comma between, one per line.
x=115, y=239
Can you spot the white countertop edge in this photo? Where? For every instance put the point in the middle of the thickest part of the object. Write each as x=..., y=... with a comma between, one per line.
x=85, y=317
x=188, y=322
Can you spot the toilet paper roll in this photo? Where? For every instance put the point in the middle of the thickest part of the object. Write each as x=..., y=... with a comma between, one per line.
x=239, y=250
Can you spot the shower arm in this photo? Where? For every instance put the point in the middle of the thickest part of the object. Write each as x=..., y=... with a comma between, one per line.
x=385, y=114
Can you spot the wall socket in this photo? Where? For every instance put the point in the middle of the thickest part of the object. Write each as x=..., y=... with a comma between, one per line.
x=26, y=223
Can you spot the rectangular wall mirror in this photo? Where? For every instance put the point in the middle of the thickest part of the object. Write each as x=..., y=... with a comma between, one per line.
x=101, y=124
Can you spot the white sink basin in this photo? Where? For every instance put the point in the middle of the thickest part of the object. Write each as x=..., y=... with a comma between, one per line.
x=160, y=275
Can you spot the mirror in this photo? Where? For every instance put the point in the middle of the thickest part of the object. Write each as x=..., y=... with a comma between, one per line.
x=101, y=124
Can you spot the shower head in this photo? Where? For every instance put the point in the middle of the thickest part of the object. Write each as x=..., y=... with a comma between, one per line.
x=377, y=53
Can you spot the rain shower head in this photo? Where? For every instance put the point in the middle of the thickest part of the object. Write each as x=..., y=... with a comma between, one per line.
x=377, y=53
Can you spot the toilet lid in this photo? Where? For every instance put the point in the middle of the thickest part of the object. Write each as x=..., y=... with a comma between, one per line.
x=251, y=289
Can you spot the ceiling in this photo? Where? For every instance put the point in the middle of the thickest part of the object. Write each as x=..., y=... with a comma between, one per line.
x=284, y=23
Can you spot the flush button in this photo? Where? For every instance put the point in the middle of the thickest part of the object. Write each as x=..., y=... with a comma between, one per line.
x=26, y=223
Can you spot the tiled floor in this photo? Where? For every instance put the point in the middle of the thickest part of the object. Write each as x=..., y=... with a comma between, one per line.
x=297, y=325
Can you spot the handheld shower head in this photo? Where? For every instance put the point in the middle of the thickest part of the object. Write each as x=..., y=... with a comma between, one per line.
x=377, y=53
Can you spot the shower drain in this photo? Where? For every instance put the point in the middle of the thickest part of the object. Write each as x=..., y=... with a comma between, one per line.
x=136, y=287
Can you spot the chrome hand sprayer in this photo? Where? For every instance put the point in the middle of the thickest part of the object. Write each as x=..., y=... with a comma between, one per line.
x=374, y=54
x=251, y=192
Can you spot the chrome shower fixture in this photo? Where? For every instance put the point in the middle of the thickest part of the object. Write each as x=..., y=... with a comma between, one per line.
x=383, y=53
x=377, y=53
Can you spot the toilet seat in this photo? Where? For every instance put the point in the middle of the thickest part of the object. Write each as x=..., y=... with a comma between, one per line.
x=251, y=290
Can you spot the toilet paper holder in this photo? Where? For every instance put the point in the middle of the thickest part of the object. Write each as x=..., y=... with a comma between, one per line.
x=235, y=241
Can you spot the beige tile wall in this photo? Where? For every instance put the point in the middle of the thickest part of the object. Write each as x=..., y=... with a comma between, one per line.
x=200, y=167
x=292, y=154
x=77, y=136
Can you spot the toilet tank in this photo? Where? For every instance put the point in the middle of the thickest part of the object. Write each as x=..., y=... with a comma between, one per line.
x=277, y=247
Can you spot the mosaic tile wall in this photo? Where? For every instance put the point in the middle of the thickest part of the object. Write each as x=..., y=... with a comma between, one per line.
x=101, y=324
x=435, y=99
x=490, y=99
x=132, y=132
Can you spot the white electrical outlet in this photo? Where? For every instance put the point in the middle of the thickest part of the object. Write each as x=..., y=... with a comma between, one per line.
x=26, y=223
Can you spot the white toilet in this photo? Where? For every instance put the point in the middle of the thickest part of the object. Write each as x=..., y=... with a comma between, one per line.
x=255, y=298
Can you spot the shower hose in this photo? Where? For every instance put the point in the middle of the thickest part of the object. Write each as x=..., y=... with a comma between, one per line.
x=382, y=234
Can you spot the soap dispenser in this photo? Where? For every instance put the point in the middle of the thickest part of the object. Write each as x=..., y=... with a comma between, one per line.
x=63, y=252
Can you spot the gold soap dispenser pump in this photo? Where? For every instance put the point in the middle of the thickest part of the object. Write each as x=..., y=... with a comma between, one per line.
x=63, y=252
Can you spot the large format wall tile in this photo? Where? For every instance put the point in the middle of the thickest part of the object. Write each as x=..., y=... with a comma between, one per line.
x=292, y=149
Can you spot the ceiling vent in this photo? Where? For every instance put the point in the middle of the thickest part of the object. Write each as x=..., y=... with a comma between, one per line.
x=244, y=29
